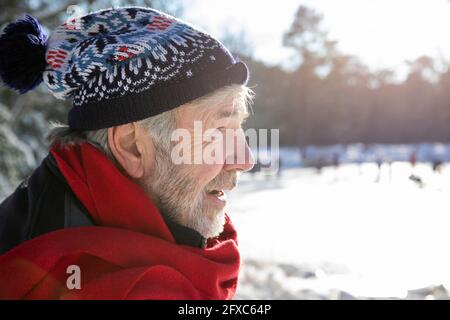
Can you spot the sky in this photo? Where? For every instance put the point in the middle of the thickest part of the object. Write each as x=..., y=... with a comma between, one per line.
x=382, y=33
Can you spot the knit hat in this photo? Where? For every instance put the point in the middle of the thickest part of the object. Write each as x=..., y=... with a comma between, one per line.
x=117, y=65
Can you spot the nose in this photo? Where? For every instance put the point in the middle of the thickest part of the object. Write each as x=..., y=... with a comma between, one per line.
x=241, y=158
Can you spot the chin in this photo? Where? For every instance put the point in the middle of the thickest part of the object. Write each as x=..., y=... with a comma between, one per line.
x=210, y=227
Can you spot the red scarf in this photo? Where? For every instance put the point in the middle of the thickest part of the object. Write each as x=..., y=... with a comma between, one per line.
x=131, y=254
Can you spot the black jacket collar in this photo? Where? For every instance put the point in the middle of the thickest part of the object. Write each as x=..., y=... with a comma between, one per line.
x=184, y=235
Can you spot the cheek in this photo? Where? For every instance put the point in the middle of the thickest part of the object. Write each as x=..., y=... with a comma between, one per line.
x=206, y=173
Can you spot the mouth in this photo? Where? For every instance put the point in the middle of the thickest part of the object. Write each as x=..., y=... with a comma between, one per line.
x=217, y=196
x=217, y=193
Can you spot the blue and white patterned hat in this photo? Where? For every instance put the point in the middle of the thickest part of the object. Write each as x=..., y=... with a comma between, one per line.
x=123, y=64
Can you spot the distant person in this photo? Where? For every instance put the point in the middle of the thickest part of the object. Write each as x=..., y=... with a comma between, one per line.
x=412, y=162
x=319, y=165
x=437, y=166
x=379, y=163
x=336, y=166
x=280, y=167
x=413, y=159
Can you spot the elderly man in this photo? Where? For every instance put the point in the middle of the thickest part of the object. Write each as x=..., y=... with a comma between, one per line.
x=110, y=214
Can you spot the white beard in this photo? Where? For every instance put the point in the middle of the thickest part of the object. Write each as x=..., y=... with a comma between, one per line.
x=182, y=200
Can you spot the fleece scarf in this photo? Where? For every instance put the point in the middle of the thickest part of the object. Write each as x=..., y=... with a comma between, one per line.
x=129, y=254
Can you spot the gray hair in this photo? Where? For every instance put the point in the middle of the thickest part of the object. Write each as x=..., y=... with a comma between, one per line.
x=160, y=127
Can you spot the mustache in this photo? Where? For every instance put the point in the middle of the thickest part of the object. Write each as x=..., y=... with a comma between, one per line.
x=226, y=180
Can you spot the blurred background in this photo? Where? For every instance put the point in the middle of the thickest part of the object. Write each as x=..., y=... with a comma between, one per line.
x=360, y=93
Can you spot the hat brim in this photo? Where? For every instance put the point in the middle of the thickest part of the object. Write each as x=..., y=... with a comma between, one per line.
x=138, y=106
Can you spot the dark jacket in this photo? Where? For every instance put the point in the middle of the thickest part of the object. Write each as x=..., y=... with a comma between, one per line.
x=44, y=202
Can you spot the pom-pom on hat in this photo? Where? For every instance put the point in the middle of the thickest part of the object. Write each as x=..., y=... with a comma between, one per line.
x=22, y=54
x=117, y=65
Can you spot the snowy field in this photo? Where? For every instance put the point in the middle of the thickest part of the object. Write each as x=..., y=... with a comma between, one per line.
x=345, y=233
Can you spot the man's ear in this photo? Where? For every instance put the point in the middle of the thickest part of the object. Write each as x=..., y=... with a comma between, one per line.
x=128, y=148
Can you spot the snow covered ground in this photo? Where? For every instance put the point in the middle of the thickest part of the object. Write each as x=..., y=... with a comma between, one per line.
x=344, y=233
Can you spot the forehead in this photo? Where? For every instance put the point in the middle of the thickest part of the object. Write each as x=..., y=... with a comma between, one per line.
x=230, y=108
